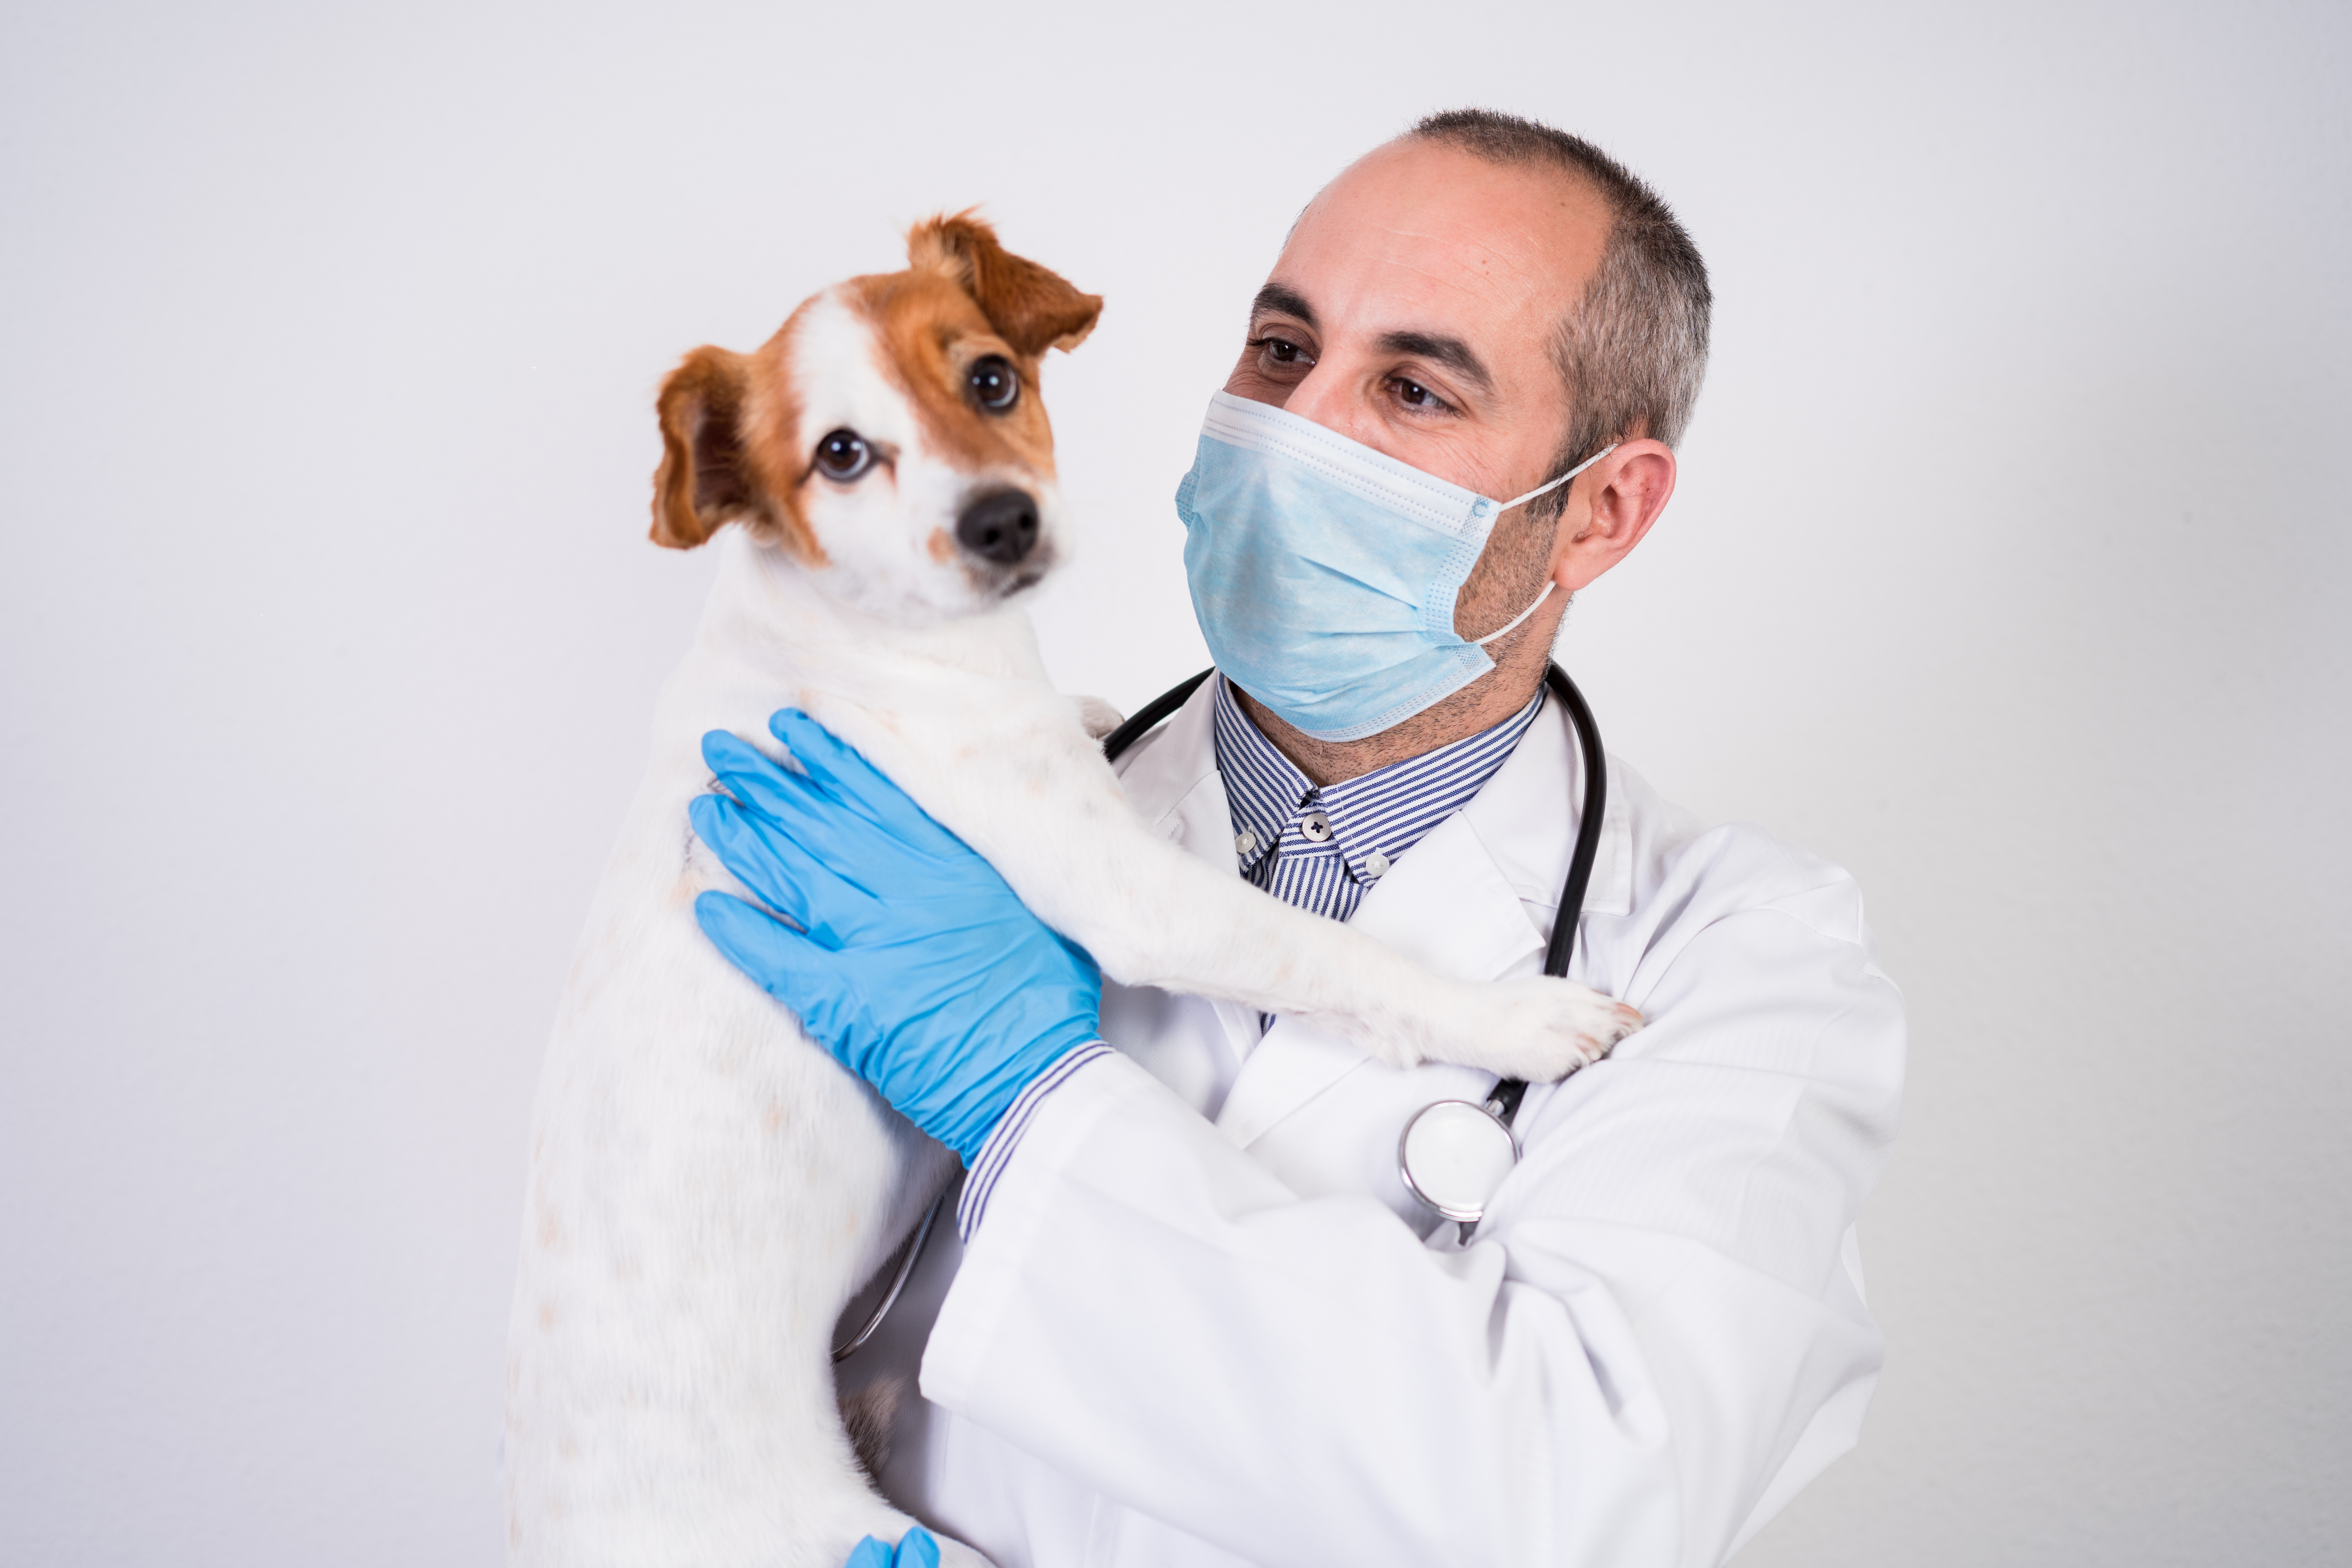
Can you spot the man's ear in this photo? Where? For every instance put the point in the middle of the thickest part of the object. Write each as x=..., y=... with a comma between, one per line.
x=1611, y=511
x=1031, y=309
x=703, y=482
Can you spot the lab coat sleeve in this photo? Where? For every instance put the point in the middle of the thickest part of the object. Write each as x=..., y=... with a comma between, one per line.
x=1655, y=1321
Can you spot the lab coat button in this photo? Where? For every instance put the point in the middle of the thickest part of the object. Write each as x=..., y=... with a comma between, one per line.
x=1317, y=827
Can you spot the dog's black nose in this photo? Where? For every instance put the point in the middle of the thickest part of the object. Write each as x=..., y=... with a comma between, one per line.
x=1001, y=526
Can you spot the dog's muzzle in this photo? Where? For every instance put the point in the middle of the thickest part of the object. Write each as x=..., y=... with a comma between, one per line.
x=1000, y=526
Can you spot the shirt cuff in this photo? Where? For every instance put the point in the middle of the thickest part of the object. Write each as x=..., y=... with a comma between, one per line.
x=994, y=1153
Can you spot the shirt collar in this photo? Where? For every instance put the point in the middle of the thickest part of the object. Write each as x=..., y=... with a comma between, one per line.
x=1383, y=813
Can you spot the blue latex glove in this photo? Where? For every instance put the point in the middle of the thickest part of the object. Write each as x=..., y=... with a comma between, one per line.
x=916, y=1548
x=914, y=964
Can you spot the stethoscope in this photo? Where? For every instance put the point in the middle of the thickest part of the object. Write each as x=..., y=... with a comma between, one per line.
x=1454, y=1154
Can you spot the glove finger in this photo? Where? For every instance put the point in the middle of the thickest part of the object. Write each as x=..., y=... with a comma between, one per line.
x=811, y=806
x=871, y=1552
x=785, y=875
x=814, y=983
x=917, y=1549
x=751, y=777
x=831, y=825
x=844, y=773
x=755, y=940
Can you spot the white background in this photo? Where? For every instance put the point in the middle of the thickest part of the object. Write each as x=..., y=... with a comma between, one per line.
x=2010, y=569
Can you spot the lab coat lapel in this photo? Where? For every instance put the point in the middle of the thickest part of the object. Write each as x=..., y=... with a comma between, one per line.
x=1446, y=905
x=1475, y=900
x=1173, y=784
x=1172, y=781
x=1527, y=819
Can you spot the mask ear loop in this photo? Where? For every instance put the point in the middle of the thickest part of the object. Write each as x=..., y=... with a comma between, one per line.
x=1516, y=621
x=1555, y=484
x=1520, y=619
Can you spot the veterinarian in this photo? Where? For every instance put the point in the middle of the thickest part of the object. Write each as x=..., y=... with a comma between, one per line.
x=1195, y=1316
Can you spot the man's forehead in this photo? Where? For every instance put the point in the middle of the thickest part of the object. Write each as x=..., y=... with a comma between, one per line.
x=1417, y=237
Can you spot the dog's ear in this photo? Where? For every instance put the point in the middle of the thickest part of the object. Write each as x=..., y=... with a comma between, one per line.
x=1031, y=309
x=704, y=482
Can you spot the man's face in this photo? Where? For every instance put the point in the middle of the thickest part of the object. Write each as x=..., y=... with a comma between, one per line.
x=1415, y=308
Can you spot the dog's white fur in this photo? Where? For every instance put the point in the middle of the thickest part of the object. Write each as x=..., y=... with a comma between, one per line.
x=708, y=1188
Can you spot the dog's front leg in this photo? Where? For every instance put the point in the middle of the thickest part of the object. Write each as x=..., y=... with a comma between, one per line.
x=1170, y=921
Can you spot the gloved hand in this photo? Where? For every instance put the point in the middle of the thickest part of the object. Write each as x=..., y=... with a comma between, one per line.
x=914, y=964
x=916, y=1548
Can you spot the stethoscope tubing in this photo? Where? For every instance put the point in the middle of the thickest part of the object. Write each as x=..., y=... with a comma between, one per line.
x=1504, y=1098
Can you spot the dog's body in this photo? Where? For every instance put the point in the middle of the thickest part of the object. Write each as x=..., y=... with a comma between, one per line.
x=708, y=1189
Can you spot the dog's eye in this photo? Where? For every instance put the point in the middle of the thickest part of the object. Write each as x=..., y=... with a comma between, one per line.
x=843, y=454
x=995, y=385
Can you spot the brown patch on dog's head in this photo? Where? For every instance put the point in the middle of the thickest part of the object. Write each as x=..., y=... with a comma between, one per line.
x=964, y=298
x=727, y=422
x=1031, y=308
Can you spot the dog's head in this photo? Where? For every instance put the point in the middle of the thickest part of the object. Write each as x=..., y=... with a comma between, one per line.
x=889, y=438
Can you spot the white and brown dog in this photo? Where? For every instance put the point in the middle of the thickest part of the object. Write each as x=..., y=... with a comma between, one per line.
x=708, y=1188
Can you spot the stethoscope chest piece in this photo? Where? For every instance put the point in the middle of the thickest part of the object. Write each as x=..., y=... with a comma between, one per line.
x=1454, y=1154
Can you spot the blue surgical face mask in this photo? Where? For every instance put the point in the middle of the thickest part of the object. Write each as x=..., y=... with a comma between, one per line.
x=1324, y=574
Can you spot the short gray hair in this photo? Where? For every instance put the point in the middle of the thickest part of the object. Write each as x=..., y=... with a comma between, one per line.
x=1633, y=350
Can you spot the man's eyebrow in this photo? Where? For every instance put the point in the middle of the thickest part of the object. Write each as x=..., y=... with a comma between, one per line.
x=1283, y=300
x=1451, y=353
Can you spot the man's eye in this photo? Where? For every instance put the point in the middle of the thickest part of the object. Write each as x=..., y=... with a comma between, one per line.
x=1281, y=351
x=1413, y=393
x=843, y=454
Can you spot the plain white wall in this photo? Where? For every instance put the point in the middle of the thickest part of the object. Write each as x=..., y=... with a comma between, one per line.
x=2010, y=569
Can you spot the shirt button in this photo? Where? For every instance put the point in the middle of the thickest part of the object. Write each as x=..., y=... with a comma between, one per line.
x=1244, y=841
x=1317, y=827
x=1376, y=864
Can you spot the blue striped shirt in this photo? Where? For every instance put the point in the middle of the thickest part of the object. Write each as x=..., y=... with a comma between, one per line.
x=1322, y=849
x=1319, y=848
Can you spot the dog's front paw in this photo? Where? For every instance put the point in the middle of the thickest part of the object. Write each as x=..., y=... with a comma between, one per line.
x=1542, y=1029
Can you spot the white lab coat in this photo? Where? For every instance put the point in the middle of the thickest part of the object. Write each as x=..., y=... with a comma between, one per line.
x=1203, y=1322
